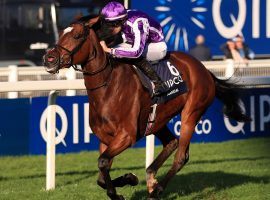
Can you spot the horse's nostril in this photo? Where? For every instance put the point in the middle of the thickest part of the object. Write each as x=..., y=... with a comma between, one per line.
x=50, y=58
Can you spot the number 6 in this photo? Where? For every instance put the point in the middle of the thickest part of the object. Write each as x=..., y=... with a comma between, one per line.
x=172, y=69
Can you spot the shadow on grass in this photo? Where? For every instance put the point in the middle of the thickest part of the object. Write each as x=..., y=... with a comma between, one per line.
x=213, y=161
x=198, y=162
x=43, y=175
x=182, y=185
x=228, y=160
x=83, y=176
x=3, y=178
x=137, y=167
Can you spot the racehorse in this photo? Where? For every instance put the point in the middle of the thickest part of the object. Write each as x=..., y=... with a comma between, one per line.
x=119, y=105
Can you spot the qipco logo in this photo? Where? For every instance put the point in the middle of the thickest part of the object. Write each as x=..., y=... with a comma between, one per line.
x=203, y=127
x=60, y=134
x=257, y=26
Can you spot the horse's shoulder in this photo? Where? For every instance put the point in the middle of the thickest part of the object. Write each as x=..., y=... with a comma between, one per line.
x=123, y=67
x=120, y=63
x=178, y=54
x=181, y=56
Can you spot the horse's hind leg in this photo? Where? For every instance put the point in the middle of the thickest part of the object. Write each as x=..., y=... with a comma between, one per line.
x=190, y=116
x=169, y=143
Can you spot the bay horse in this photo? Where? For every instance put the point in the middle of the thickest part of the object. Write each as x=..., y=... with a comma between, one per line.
x=119, y=105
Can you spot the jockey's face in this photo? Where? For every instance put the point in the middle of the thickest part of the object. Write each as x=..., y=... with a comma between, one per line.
x=116, y=30
x=116, y=26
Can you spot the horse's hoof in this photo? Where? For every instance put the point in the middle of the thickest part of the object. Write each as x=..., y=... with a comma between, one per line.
x=118, y=197
x=131, y=179
x=158, y=190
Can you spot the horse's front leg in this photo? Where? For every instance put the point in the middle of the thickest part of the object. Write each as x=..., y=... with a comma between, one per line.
x=101, y=181
x=126, y=179
x=117, y=145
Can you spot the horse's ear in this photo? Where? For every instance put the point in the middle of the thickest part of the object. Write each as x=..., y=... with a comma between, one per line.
x=93, y=21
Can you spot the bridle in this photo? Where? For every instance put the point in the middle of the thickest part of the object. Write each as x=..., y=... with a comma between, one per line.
x=61, y=61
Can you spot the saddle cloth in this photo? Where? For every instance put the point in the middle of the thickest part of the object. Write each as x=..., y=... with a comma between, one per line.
x=170, y=75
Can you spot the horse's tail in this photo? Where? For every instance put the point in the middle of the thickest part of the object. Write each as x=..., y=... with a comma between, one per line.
x=226, y=92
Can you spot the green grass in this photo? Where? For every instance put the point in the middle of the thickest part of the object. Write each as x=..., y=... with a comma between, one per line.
x=229, y=170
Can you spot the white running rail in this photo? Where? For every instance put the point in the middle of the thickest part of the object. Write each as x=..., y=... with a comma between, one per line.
x=224, y=68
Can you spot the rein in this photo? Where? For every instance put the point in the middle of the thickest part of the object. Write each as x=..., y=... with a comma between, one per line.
x=108, y=78
x=75, y=67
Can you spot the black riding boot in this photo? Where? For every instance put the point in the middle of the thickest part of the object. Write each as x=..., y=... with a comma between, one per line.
x=145, y=66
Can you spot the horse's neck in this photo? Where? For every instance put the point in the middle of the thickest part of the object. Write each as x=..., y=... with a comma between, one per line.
x=99, y=64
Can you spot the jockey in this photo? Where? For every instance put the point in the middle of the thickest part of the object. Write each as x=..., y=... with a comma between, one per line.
x=143, y=39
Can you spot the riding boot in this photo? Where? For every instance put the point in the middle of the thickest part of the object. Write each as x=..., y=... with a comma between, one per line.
x=145, y=66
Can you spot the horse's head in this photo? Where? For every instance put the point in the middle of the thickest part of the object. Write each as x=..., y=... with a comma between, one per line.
x=71, y=49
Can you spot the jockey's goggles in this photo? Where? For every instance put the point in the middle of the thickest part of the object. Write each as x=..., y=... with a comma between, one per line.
x=117, y=22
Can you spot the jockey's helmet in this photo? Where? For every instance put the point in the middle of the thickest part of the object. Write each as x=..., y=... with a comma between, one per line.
x=114, y=13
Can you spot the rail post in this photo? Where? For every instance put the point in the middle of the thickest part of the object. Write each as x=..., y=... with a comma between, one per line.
x=126, y=4
x=50, y=152
x=150, y=150
x=229, y=71
x=13, y=77
x=71, y=75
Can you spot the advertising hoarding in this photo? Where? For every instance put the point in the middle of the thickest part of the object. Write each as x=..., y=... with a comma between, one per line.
x=217, y=20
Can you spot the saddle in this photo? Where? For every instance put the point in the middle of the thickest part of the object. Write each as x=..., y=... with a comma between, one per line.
x=170, y=75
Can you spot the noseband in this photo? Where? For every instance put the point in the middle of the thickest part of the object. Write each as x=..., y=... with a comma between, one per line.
x=70, y=53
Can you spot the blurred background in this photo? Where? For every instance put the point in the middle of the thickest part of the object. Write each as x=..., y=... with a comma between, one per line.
x=28, y=27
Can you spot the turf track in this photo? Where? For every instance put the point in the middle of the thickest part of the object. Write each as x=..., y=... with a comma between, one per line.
x=230, y=170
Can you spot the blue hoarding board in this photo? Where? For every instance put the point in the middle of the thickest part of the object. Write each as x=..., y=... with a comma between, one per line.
x=14, y=126
x=217, y=20
x=23, y=123
x=74, y=133
x=215, y=127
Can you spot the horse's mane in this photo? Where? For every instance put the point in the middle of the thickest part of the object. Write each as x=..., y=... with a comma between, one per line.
x=102, y=30
x=84, y=19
